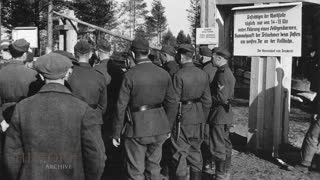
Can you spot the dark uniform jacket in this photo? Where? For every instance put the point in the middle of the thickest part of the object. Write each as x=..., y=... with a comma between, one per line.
x=59, y=136
x=16, y=83
x=222, y=89
x=210, y=69
x=171, y=67
x=103, y=69
x=146, y=84
x=191, y=83
x=89, y=86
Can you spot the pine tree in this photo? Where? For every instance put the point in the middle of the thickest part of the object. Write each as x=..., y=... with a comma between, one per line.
x=157, y=22
x=194, y=13
x=135, y=11
x=169, y=39
x=188, y=40
x=98, y=12
x=182, y=38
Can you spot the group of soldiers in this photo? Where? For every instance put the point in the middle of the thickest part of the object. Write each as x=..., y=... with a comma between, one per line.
x=61, y=115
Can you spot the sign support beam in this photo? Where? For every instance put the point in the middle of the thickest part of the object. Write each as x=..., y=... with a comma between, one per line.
x=271, y=69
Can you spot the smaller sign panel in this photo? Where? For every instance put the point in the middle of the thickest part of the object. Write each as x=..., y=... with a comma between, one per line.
x=206, y=36
x=268, y=30
x=30, y=34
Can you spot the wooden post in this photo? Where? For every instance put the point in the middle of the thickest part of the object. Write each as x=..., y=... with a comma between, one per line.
x=50, y=27
x=208, y=14
x=270, y=90
x=286, y=63
x=269, y=103
x=0, y=18
x=71, y=34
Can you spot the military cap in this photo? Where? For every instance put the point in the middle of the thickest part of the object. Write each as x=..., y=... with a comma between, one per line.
x=53, y=65
x=223, y=53
x=21, y=45
x=184, y=48
x=67, y=54
x=82, y=47
x=103, y=45
x=140, y=44
x=205, y=51
x=168, y=50
x=214, y=50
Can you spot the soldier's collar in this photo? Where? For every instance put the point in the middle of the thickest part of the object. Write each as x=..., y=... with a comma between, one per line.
x=222, y=68
x=189, y=64
x=143, y=61
x=206, y=63
x=83, y=64
x=55, y=87
x=16, y=62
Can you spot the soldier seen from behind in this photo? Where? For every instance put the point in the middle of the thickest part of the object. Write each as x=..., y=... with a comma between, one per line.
x=147, y=99
x=54, y=135
x=16, y=80
x=221, y=115
x=86, y=83
x=191, y=86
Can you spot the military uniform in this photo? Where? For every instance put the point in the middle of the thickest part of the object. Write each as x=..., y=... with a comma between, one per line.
x=147, y=91
x=86, y=83
x=192, y=89
x=17, y=81
x=104, y=46
x=221, y=115
x=211, y=70
x=54, y=135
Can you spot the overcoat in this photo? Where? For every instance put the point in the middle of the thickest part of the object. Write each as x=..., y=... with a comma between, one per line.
x=54, y=135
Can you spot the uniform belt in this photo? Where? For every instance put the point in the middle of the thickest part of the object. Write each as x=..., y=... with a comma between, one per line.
x=192, y=101
x=145, y=108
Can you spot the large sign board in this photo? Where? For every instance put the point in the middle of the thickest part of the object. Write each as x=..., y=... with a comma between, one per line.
x=30, y=34
x=268, y=30
x=206, y=36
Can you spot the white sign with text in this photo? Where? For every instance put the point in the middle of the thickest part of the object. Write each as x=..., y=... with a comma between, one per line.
x=206, y=36
x=268, y=30
x=30, y=34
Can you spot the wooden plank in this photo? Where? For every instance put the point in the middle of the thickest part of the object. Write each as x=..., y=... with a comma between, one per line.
x=269, y=103
x=50, y=27
x=261, y=101
x=286, y=63
x=256, y=105
x=203, y=13
x=234, y=2
x=278, y=107
x=93, y=26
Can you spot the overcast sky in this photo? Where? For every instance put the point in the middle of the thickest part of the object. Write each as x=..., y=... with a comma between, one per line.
x=176, y=14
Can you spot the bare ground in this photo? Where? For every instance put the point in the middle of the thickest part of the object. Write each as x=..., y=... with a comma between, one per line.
x=258, y=167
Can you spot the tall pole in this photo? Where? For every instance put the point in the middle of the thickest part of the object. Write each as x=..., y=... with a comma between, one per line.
x=0, y=19
x=50, y=27
x=134, y=18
